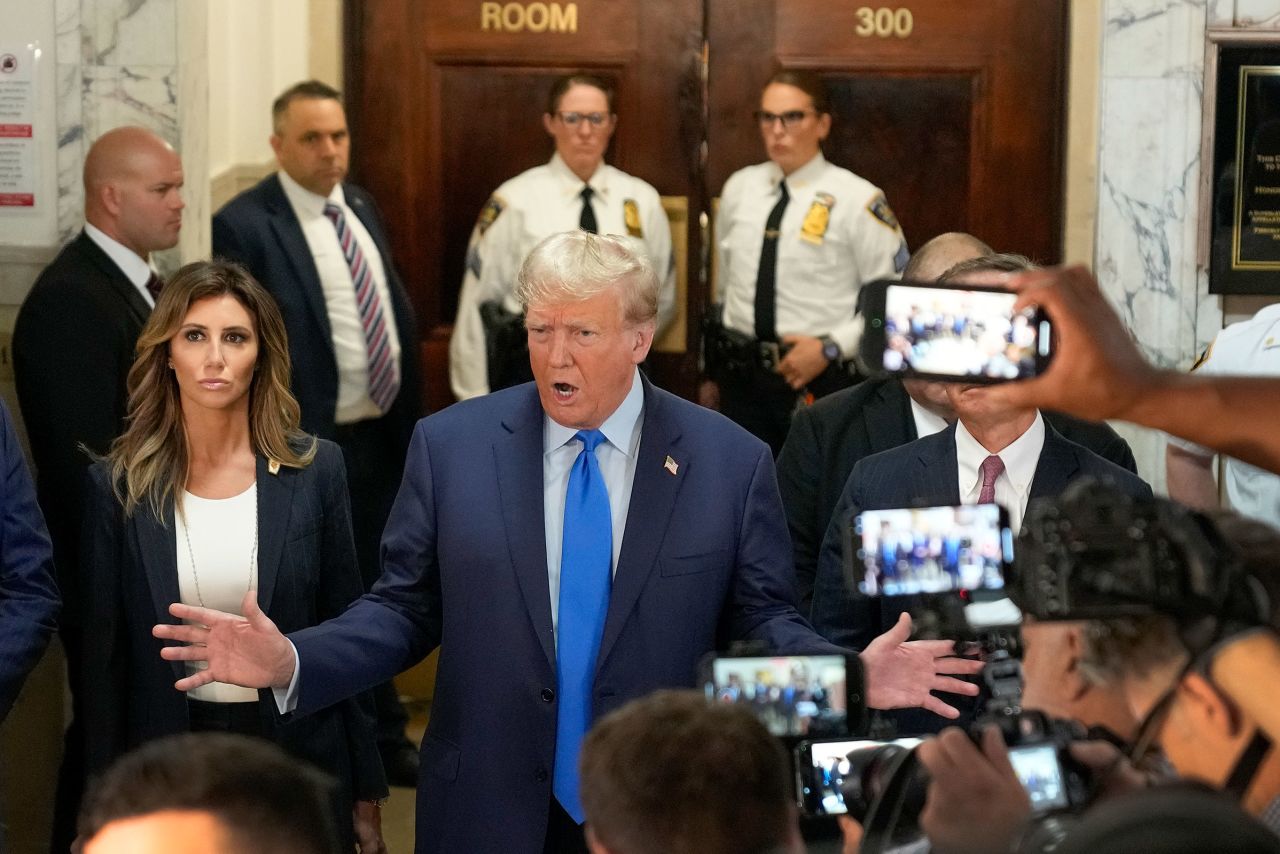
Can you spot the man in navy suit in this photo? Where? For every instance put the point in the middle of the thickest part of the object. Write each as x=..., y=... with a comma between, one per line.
x=485, y=556
x=1015, y=453
x=318, y=245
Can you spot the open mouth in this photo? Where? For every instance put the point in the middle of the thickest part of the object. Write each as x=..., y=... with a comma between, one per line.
x=563, y=391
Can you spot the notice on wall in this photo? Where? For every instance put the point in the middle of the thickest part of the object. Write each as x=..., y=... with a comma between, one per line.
x=17, y=118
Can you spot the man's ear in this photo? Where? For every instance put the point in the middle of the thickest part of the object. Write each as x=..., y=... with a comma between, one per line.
x=275, y=141
x=1208, y=707
x=1077, y=685
x=643, y=341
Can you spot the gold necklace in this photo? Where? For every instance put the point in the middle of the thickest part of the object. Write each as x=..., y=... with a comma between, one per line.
x=253, y=552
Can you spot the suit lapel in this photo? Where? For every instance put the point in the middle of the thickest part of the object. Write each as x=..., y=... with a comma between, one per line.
x=120, y=283
x=158, y=548
x=1056, y=467
x=275, y=501
x=518, y=458
x=653, y=498
x=937, y=473
x=888, y=417
x=284, y=223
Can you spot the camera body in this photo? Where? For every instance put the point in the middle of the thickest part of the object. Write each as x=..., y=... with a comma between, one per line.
x=1038, y=750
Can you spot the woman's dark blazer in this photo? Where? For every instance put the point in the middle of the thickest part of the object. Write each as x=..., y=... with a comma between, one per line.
x=306, y=574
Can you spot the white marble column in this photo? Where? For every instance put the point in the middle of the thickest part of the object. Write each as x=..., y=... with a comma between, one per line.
x=139, y=62
x=1149, y=167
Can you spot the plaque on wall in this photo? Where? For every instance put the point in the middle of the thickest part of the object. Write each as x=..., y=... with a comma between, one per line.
x=1245, y=250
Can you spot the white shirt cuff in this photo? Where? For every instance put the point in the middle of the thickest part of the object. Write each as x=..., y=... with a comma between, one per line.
x=287, y=698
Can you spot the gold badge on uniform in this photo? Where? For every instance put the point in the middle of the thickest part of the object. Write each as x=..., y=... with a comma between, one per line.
x=818, y=218
x=631, y=215
x=880, y=209
x=489, y=213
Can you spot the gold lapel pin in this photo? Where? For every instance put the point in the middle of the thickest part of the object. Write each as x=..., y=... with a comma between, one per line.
x=671, y=465
x=273, y=466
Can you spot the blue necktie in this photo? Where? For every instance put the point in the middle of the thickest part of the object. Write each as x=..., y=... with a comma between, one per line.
x=585, y=557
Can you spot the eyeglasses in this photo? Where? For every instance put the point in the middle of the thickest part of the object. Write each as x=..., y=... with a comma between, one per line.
x=574, y=119
x=790, y=119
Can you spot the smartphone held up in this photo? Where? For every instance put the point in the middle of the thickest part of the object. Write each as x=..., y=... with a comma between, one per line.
x=964, y=334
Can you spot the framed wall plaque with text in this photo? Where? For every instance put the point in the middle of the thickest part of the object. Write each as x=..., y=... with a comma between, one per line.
x=1243, y=190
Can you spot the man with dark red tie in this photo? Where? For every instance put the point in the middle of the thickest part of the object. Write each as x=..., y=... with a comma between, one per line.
x=72, y=349
x=318, y=245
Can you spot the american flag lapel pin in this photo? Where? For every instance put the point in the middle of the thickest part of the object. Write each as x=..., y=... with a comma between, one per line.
x=671, y=465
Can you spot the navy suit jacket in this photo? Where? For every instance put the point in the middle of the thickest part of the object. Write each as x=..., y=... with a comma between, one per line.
x=924, y=473
x=28, y=597
x=705, y=558
x=827, y=439
x=73, y=345
x=259, y=229
x=306, y=574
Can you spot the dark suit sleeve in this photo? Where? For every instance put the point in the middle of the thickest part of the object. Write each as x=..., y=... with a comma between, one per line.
x=833, y=612
x=226, y=243
x=338, y=586
x=763, y=607
x=105, y=677
x=28, y=597
x=799, y=472
x=400, y=620
x=70, y=365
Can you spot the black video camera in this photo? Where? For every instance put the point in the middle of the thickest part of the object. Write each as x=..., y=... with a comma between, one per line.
x=1096, y=553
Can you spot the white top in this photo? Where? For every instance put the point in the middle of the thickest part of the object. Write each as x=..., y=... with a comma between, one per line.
x=617, y=458
x=837, y=233
x=135, y=267
x=524, y=211
x=349, y=345
x=1249, y=348
x=221, y=532
x=927, y=423
x=1013, y=487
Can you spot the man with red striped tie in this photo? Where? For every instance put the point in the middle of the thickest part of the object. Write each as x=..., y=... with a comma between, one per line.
x=318, y=245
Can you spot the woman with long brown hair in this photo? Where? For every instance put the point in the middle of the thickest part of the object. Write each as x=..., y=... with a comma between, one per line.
x=210, y=496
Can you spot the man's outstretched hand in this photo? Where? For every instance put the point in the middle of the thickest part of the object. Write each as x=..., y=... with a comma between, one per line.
x=248, y=651
x=903, y=674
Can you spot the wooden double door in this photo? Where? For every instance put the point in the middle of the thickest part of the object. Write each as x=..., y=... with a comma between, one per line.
x=954, y=107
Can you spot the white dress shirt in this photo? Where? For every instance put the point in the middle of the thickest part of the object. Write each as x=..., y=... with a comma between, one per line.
x=349, y=345
x=1248, y=348
x=217, y=563
x=1013, y=486
x=617, y=458
x=521, y=213
x=135, y=268
x=927, y=423
x=818, y=276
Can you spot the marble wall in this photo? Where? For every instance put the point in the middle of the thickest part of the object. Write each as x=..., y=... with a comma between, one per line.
x=1151, y=89
x=140, y=62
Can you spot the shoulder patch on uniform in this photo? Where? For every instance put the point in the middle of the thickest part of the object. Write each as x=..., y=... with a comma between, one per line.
x=1204, y=357
x=880, y=209
x=631, y=216
x=489, y=213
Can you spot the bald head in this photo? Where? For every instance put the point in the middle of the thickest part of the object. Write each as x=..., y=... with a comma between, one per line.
x=132, y=184
x=941, y=254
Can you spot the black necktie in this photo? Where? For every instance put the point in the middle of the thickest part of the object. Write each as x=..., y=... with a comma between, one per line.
x=587, y=222
x=767, y=273
x=154, y=285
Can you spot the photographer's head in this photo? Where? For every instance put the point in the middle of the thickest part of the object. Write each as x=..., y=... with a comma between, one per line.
x=1054, y=679
x=209, y=793
x=671, y=773
x=1205, y=732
